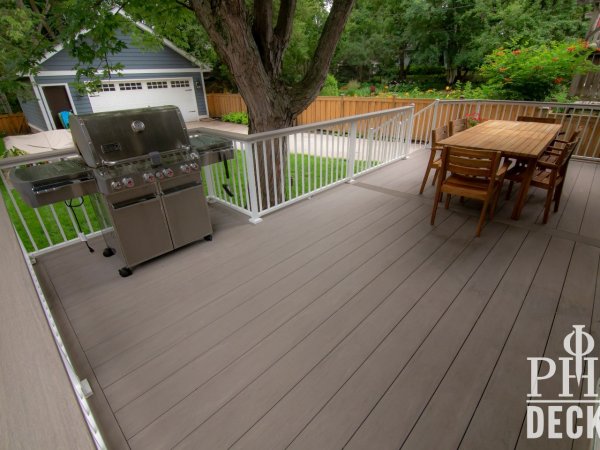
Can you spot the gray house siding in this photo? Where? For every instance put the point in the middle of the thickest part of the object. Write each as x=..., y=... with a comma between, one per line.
x=131, y=57
x=33, y=113
x=80, y=102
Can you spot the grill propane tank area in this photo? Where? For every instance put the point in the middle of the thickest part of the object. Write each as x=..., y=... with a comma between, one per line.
x=143, y=174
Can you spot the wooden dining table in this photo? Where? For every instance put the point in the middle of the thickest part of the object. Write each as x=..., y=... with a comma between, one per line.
x=524, y=141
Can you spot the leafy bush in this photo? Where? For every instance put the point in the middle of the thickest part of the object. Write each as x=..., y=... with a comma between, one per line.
x=236, y=117
x=330, y=87
x=351, y=88
x=535, y=73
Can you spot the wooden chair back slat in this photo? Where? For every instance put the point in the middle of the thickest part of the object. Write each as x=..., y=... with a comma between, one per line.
x=439, y=134
x=537, y=119
x=470, y=162
x=458, y=125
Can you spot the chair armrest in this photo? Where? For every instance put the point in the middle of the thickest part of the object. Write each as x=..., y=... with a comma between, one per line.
x=548, y=165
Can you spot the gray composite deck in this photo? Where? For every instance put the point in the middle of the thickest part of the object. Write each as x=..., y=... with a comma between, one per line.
x=342, y=321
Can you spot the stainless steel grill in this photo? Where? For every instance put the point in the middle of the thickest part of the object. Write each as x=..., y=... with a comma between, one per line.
x=147, y=172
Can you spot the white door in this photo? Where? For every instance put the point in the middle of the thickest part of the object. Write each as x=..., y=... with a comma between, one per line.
x=129, y=94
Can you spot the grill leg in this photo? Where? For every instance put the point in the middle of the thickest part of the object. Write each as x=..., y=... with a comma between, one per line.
x=125, y=272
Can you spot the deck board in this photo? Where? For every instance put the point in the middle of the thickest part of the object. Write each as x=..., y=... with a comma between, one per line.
x=497, y=420
x=344, y=320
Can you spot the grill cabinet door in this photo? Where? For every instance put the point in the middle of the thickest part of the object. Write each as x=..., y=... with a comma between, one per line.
x=142, y=230
x=187, y=214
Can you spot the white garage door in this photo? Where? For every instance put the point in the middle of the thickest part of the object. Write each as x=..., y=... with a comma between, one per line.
x=129, y=94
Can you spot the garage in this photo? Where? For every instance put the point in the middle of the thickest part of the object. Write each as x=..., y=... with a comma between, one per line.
x=127, y=94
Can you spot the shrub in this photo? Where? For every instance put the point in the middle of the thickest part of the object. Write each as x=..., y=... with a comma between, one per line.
x=236, y=117
x=351, y=88
x=535, y=73
x=330, y=87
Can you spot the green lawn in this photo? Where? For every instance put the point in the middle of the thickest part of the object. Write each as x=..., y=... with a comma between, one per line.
x=315, y=172
x=307, y=174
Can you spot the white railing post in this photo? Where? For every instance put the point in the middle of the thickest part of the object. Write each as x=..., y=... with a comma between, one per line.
x=370, y=143
x=253, y=206
x=210, y=185
x=433, y=121
x=408, y=133
x=351, y=151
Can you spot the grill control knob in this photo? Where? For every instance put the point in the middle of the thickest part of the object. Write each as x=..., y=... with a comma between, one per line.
x=116, y=185
x=194, y=155
x=194, y=166
x=159, y=175
x=185, y=168
x=168, y=172
x=128, y=182
x=149, y=177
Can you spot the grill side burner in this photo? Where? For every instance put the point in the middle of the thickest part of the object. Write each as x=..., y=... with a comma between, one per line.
x=45, y=184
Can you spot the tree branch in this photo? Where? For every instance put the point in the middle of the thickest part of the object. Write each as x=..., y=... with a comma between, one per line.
x=308, y=88
x=283, y=31
x=262, y=30
x=184, y=5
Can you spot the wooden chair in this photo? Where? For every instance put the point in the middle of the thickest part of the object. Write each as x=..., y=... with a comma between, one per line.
x=537, y=119
x=435, y=161
x=550, y=173
x=458, y=125
x=474, y=174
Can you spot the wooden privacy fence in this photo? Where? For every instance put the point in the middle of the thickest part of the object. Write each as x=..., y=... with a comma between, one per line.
x=430, y=113
x=11, y=124
x=322, y=109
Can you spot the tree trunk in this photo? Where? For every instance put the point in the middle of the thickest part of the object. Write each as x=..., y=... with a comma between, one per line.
x=271, y=156
x=252, y=47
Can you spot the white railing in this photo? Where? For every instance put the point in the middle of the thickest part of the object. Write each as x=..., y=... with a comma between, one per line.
x=274, y=169
x=48, y=227
x=571, y=116
x=41, y=230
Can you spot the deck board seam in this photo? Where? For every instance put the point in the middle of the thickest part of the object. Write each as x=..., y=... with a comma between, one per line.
x=219, y=297
x=549, y=334
x=266, y=310
x=554, y=232
x=321, y=323
x=392, y=329
x=419, y=223
x=491, y=249
x=506, y=340
x=369, y=314
x=509, y=265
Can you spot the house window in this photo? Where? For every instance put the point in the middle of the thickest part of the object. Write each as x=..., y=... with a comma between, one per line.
x=107, y=87
x=129, y=86
x=180, y=83
x=157, y=85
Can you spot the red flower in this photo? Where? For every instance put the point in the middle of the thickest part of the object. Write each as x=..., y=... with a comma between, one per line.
x=502, y=69
x=555, y=59
x=558, y=80
x=516, y=52
x=571, y=49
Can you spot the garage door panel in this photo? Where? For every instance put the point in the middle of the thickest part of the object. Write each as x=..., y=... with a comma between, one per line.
x=143, y=93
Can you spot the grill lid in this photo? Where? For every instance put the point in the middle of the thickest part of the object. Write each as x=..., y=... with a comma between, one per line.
x=114, y=137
